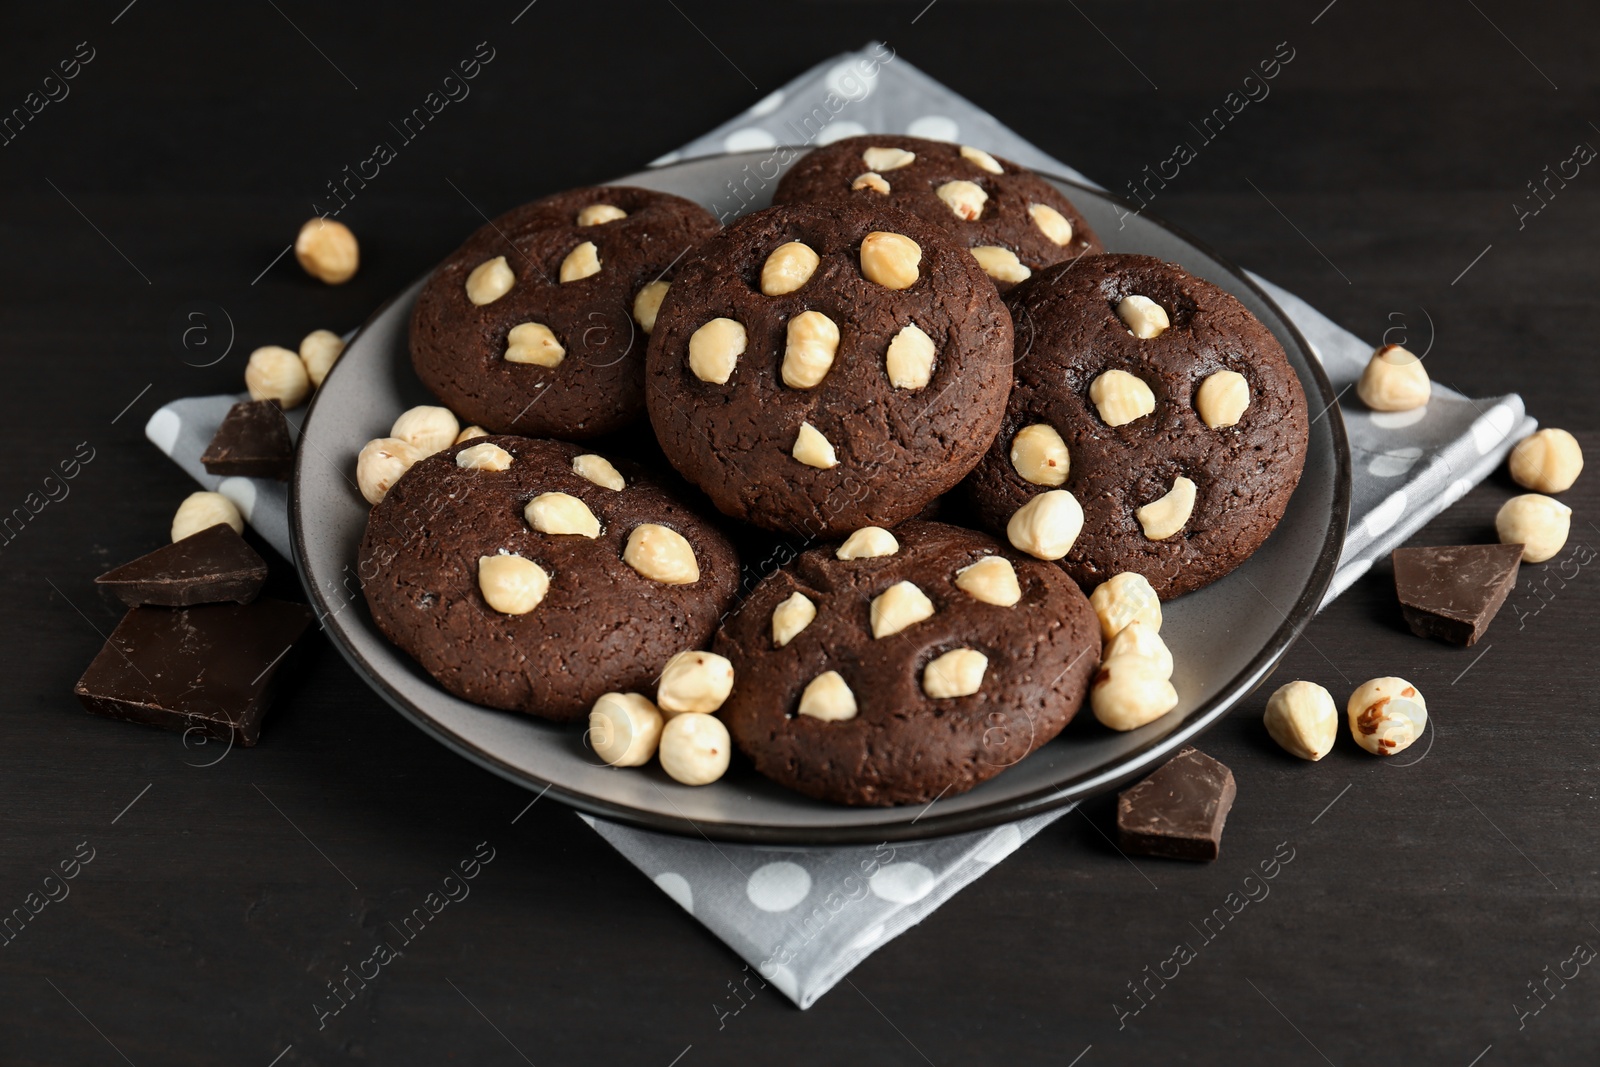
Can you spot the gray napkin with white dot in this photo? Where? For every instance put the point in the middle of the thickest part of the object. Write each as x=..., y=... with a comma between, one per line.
x=803, y=918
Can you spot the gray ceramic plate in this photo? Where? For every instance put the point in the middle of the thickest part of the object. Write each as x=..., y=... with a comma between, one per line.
x=1225, y=639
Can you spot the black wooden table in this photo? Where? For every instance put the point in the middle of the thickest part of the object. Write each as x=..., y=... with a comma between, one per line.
x=1429, y=911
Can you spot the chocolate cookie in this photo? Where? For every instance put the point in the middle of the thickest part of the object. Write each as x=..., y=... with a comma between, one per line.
x=820, y=367
x=901, y=677
x=532, y=576
x=1178, y=447
x=1012, y=219
x=537, y=324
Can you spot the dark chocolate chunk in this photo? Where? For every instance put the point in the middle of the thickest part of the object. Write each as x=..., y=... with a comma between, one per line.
x=206, y=668
x=253, y=442
x=1452, y=592
x=208, y=567
x=1178, y=811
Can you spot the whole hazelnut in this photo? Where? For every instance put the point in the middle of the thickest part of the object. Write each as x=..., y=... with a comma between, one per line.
x=1538, y=523
x=1547, y=462
x=275, y=373
x=327, y=250
x=1301, y=717
x=1393, y=381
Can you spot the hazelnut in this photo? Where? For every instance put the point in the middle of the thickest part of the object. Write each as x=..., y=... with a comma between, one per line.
x=981, y=159
x=624, y=729
x=661, y=554
x=828, y=698
x=647, y=305
x=695, y=748
x=1128, y=694
x=909, y=360
x=882, y=159
x=600, y=214
x=201, y=511
x=1538, y=523
x=489, y=281
x=1393, y=381
x=1143, y=317
x=1222, y=399
x=714, y=350
x=275, y=373
x=598, y=469
x=1001, y=264
x=1039, y=455
x=890, y=259
x=790, y=617
x=1052, y=223
x=1047, y=525
x=1301, y=717
x=427, y=428
x=1133, y=686
x=534, y=342
x=813, y=340
x=1164, y=517
x=380, y=464
x=694, y=682
x=559, y=513
x=964, y=199
x=813, y=449
x=789, y=267
x=1547, y=462
x=580, y=263
x=1386, y=715
x=319, y=350
x=868, y=543
x=1141, y=640
x=957, y=673
x=897, y=607
x=484, y=457
x=1121, y=397
x=327, y=250
x=992, y=580
x=1123, y=599
x=512, y=585
x=870, y=180
x=470, y=433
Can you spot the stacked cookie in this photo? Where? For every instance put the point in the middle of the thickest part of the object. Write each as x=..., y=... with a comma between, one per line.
x=911, y=318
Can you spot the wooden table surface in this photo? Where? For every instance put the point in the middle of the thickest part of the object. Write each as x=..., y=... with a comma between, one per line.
x=1424, y=902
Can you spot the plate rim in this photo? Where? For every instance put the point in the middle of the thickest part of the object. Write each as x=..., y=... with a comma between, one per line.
x=1053, y=797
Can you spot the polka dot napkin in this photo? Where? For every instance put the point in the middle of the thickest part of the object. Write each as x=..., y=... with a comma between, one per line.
x=804, y=918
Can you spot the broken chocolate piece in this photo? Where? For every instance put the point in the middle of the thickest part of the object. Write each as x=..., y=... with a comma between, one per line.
x=208, y=567
x=206, y=668
x=253, y=442
x=1179, y=810
x=1453, y=591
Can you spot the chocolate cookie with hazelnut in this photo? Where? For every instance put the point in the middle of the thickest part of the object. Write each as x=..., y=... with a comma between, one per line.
x=535, y=576
x=1156, y=426
x=820, y=367
x=896, y=668
x=537, y=324
x=1013, y=221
